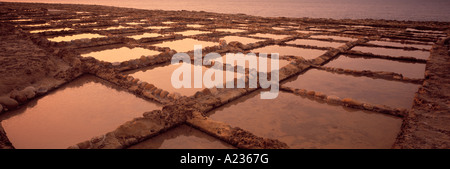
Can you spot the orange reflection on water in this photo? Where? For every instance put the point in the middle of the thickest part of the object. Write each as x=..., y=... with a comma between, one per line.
x=85, y=108
x=303, y=123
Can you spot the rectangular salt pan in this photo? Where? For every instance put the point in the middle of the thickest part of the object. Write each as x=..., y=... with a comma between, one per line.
x=242, y=58
x=121, y=54
x=51, y=30
x=114, y=28
x=83, y=109
x=411, y=70
x=185, y=45
x=192, y=32
x=374, y=91
x=270, y=36
x=194, y=25
x=75, y=37
x=290, y=51
x=161, y=78
x=145, y=35
x=304, y=123
x=397, y=44
x=243, y=40
x=393, y=52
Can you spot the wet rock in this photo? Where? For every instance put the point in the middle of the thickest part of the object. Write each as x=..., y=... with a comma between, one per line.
x=8, y=102
x=348, y=71
x=222, y=43
x=300, y=91
x=320, y=95
x=176, y=95
x=171, y=95
x=368, y=106
x=214, y=91
x=157, y=91
x=310, y=93
x=206, y=91
x=116, y=63
x=29, y=92
x=142, y=84
x=130, y=78
x=41, y=91
x=19, y=96
x=398, y=77
x=333, y=99
x=198, y=94
x=143, y=59
x=134, y=88
x=352, y=103
x=236, y=44
x=163, y=94
x=318, y=61
x=135, y=81
x=149, y=86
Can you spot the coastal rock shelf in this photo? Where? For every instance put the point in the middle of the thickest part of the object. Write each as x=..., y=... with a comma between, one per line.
x=89, y=77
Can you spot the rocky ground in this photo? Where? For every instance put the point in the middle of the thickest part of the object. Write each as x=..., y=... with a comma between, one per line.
x=427, y=125
x=22, y=62
x=31, y=66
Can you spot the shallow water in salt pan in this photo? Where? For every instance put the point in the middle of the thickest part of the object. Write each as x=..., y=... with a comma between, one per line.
x=192, y=32
x=36, y=25
x=168, y=22
x=161, y=78
x=83, y=109
x=279, y=28
x=397, y=44
x=145, y=35
x=291, y=51
x=304, y=123
x=268, y=35
x=75, y=37
x=393, y=52
x=238, y=58
x=243, y=40
x=135, y=23
x=121, y=54
x=182, y=137
x=411, y=70
x=21, y=20
x=230, y=30
x=113, y=28
x=51, y=30
x=194, y=25
x=185, y=45
x=374, y=91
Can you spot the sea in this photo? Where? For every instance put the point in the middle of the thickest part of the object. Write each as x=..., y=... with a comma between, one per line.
x=411, y=10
